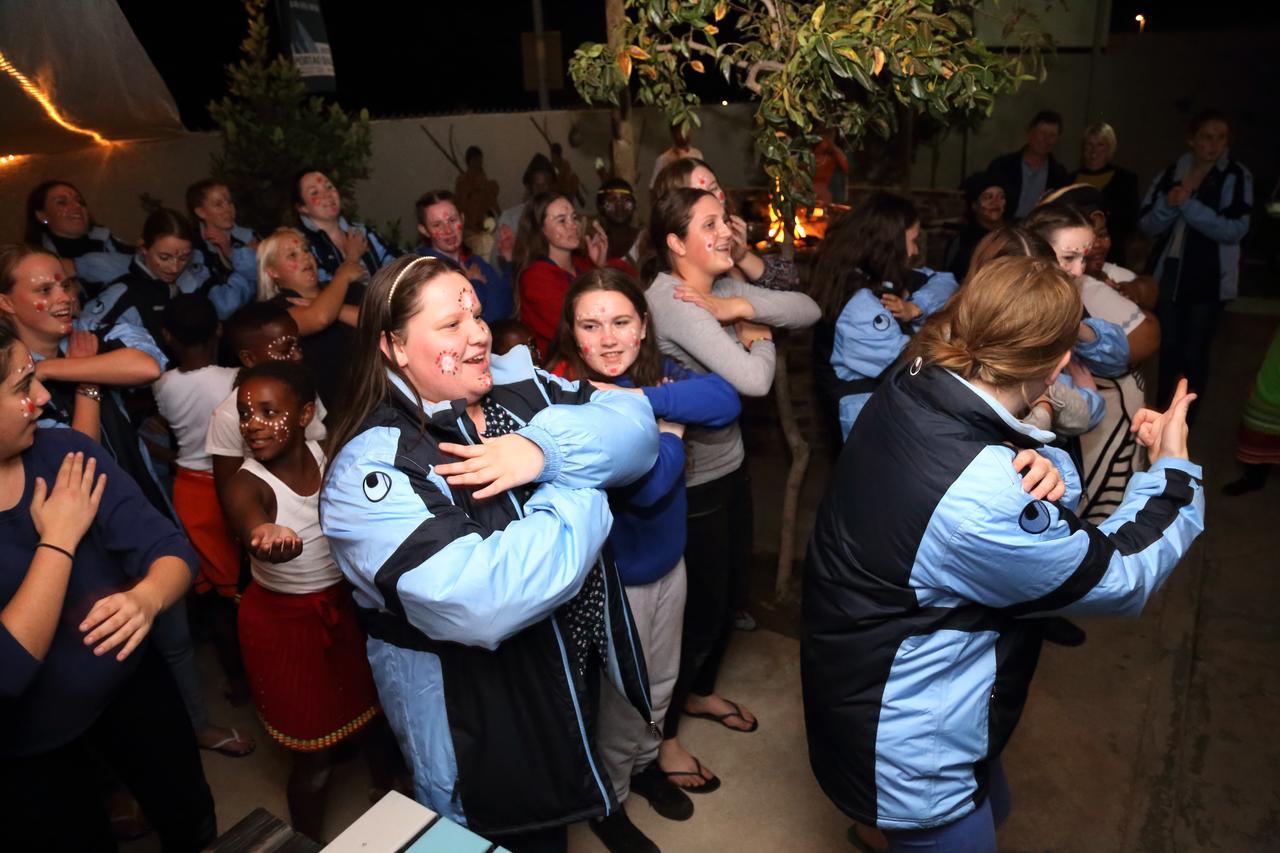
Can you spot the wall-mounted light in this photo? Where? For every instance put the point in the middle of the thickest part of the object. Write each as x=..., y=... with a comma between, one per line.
x=1142, y=22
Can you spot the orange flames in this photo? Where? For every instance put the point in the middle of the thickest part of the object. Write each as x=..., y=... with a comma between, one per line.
x=813, y=224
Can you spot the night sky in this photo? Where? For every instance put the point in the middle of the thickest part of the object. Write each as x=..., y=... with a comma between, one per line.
x=439, y=57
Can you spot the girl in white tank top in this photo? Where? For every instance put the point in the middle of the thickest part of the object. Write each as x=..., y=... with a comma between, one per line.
x=302, y=647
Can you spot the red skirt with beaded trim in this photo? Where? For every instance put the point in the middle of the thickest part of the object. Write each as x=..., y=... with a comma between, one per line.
x=305, y=656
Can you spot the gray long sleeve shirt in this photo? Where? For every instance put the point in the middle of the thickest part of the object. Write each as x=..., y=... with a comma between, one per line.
x=697, y=341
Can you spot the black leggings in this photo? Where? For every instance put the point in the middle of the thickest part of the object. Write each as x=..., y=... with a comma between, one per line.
x=1186, y=335
x=54, y=802
x=716, y=558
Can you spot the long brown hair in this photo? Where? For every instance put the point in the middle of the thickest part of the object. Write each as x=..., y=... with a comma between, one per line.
x=10, y=256
x=1008, y=241
x=647, y=368
x=866, y=247
x=1010, y=324
x=390, y=301
x=531, y=242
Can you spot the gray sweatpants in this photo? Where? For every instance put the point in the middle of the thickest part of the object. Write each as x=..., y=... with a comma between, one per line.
x=626, y=742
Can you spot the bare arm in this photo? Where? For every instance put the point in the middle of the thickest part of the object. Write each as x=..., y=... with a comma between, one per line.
x=124, y=367
x=87, y=417
x=322, y=311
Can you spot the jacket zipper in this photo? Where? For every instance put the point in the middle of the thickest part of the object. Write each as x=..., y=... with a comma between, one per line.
x=628, y=626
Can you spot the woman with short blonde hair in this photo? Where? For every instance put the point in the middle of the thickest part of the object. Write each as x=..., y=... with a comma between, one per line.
x=1119, y=186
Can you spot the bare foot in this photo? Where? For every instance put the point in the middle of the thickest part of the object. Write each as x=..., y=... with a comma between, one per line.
x=682, y=768
x=731, y=714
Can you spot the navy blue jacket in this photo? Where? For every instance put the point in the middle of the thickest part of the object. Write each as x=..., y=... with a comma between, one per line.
x=925, y=558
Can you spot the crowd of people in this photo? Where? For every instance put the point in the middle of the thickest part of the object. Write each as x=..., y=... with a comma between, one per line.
x=483, y=507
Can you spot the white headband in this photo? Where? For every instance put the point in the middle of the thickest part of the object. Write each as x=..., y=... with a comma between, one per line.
x=391, y=294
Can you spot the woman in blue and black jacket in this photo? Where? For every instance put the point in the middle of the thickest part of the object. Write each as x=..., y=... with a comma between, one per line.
x=872, y=301
x=465, y=502
x=58, y=221
x=333, y=239
x=928, y=555
x=226, y=247
x=606, y=335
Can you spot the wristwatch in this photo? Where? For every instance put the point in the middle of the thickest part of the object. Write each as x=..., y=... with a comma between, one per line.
x=90, y=391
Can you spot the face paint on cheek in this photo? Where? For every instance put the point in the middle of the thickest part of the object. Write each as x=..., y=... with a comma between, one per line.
x=711, y=246
x=41, y=306
x=448, y=363
x=29, y=408
x=485, y=380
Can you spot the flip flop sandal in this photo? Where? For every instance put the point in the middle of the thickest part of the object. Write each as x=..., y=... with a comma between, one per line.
x=708, y=786
x=222, y=748
x=720, y=718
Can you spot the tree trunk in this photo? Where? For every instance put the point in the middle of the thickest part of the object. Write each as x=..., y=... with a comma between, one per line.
x=795, y=443
x=623, y=148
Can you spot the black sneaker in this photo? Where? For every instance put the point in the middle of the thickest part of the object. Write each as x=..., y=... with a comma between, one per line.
x=664, y=795
x=620, y=835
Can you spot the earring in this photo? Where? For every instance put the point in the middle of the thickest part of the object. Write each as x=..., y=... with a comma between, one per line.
x=44, y=222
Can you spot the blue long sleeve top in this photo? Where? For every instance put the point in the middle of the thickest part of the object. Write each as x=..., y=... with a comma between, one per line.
x=648, y=535
x=47, y=703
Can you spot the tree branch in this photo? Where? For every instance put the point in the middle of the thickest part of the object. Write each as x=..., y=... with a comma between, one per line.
x=753, y=69
x=756, y=68
x=448, y=155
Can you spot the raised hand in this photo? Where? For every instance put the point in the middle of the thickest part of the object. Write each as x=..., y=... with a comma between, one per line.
x=598, y=245
x=81, y=344
x=274, y=543
x=355, y=244
x=1165, y=433
x=900, y=308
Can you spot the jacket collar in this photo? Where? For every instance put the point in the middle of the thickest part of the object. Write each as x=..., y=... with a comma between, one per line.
x=962, y=401
x=1183, y=165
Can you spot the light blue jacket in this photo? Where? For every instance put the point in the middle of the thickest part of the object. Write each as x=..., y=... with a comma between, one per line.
x=461, y=574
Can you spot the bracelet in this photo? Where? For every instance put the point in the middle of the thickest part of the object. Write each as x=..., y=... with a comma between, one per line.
x=90, y=391
x=63, y=551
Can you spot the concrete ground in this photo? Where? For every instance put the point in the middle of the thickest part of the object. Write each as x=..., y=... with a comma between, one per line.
x=1157, y=735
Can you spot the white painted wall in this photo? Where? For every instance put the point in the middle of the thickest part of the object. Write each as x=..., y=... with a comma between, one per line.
x=1147, y=87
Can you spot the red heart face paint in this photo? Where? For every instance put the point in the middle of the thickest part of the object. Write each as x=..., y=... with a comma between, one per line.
x=447, y=362
x=29, y=408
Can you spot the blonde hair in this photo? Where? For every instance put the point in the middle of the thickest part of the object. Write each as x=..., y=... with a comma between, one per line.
x=1011, y=323
x=1105, y=132
x=267, y=287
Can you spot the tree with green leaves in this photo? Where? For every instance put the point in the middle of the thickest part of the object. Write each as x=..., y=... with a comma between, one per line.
x=851, y=66
x=271, y=128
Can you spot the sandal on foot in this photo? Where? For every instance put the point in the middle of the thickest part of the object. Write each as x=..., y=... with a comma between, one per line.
x=708, y=785
x=224, y=746
x=721, y=718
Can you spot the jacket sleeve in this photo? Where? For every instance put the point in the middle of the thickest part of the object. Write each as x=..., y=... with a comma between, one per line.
x=1232, y=223
x=227, y=297
x=1108, y=355
x=609, y=440
x=401, y=542
x=1030, y=557
x=701, y=400
x=135, y=337
x=101, y=267
x=868, y=339
x=1156, y=214
x=665, y=474
x=245, y=261
x=933, y=294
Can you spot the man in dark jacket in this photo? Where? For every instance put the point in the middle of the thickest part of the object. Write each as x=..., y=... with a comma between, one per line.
x=1026, y=174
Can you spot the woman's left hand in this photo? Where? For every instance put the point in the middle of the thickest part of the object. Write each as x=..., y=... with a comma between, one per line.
x=1042, y=480
x=902, y=310
x=597, y=245
x=497, y=464
x=123, y=618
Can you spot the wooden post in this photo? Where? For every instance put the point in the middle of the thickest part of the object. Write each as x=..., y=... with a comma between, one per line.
x=795, y=442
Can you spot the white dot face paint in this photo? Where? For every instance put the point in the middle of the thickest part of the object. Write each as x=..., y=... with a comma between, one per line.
x=29, y=408
x=283, y=348
x=467, y=301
